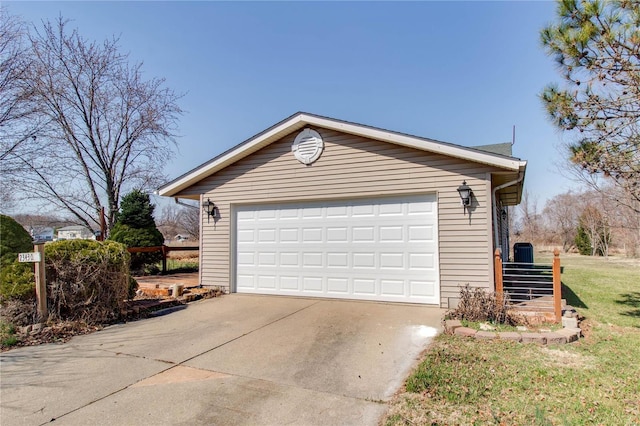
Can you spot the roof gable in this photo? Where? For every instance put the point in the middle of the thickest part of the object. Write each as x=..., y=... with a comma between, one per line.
x=302, y=119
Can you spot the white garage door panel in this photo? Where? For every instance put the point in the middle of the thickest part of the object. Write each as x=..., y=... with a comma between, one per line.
x=382, y=249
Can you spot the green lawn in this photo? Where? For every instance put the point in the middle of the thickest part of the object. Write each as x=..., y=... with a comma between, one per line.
x=175, y=266
x=593, y=381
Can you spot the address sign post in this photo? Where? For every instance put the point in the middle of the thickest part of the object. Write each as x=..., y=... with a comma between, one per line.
x=37, y=257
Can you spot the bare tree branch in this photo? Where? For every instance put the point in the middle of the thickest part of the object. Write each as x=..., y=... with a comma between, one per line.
x=108, y=129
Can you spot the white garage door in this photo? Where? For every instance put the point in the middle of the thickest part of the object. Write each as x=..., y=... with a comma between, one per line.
x=382, y=249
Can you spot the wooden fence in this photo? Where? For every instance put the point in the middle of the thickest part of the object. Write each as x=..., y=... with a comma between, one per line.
x=164, y=250
x=530, y=282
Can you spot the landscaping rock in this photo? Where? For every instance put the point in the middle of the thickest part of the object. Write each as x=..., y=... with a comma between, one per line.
x=534, y=338
x=451, y=325
x=521, y=328
x=569, y=322
x=488, y=335
x=155, y=292
x=556, y=338
x=572, y=334
x=465, y=331
x=486, y=327
x=510, y=335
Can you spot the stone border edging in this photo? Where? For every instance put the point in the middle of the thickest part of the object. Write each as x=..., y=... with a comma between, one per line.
x=560, y=337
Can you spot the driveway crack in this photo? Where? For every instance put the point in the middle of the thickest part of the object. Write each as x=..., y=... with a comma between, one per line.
x=173, y=365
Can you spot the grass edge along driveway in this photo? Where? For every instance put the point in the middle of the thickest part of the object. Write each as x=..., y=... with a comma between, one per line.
x=593, y=381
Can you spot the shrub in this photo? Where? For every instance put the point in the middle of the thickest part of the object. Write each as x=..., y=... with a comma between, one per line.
x=87, y=280
x=14, y=239
x=7, y=335
x=17, y=282
x=133, y=287
x=138, y=237
x=19, y=312
x=16, y=279
x=477, y=304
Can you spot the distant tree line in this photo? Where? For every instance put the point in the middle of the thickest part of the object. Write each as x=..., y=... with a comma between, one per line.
x=591, y=222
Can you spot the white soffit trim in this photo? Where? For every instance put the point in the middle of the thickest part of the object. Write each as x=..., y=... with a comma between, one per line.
x=301, y=120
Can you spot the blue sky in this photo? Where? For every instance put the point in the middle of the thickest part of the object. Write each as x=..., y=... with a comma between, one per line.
x=460, y=72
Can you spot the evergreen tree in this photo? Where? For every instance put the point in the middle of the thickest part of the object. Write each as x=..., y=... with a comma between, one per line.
x=136, y=210
x=583, y=242
x=597, y=47
x=136, y=227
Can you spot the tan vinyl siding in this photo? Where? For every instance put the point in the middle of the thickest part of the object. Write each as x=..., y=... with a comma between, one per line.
x=351, y=167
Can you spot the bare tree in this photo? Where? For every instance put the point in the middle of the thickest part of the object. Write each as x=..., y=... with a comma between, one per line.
x=597, y=227
x=529, y=225
x=190, y=220
x=19, y=122
x=109, y=130
x=179, y=219
x=168, y=221
x=561, y=215
x=622, y=218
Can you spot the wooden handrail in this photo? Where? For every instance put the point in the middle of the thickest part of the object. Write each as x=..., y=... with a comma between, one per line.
x=144, y=249
x=497, y=271
x=557, y=286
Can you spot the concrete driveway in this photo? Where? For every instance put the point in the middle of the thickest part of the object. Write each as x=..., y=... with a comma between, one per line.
x=239, y=359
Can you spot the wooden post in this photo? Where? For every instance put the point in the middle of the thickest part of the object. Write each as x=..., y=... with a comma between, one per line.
x=497, y=271
x=557, y=286
x=164, y=259
x=41, y=284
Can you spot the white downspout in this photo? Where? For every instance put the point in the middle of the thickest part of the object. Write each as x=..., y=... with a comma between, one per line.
x=495, y=206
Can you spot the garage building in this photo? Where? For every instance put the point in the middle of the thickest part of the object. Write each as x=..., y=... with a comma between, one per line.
x=320, y=207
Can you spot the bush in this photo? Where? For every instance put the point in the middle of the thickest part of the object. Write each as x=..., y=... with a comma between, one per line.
x=19, y=312
x=16, y=279
x=476, y=304
x=133, y=288
x=87, y=280
x=7, y=335
x=138, y=237
x=14, y=239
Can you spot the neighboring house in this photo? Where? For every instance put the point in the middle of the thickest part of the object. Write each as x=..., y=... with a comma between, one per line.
x=75, y=232
x=41, y=233
x=315, y=206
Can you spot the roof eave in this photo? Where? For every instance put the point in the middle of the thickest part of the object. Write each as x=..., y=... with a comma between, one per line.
x=300, y=120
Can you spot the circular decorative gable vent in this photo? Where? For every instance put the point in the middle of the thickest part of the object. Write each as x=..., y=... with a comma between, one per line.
x=308, y=146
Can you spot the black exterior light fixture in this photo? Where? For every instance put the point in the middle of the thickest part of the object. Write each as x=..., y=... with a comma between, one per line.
x=465, y=194
x=210, y=209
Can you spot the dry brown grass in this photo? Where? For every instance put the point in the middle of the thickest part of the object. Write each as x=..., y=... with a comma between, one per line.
x=479, y=305
x=183, y=255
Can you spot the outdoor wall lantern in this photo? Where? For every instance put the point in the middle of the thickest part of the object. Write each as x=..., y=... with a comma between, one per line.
x=210, y=209
x=465, y=194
